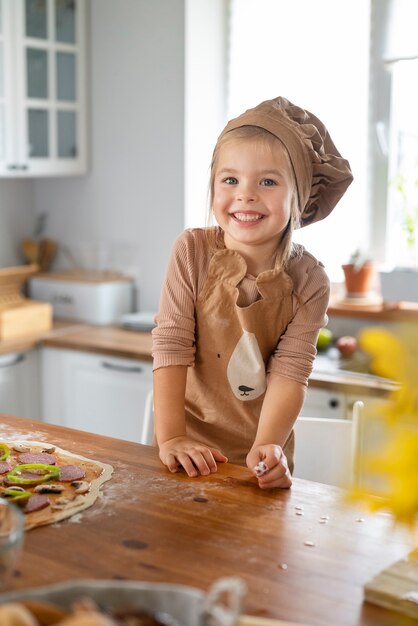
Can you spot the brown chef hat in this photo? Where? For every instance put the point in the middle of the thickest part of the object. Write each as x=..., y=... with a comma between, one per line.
x=322, y=175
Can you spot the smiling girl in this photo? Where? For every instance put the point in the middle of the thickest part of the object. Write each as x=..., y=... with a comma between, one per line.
x=241, y=305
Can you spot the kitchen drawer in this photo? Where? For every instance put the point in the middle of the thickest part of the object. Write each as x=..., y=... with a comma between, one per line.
x=323, y=403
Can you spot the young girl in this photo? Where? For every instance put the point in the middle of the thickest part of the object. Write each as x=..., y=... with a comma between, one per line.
x=241, y=306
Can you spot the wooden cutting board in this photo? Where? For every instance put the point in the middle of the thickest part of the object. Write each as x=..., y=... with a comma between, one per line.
x=19, y=315
x=396, y=587
x=25, y=318
x=249, y=620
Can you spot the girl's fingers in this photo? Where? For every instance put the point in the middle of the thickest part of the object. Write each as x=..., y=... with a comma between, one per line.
x=196, y=460
x=274, y=456
x=208, y=454
x=279, y=476
x=218, y=456
x=204, y=461
x=187, y=464
x=171, y=463
x=284, y=482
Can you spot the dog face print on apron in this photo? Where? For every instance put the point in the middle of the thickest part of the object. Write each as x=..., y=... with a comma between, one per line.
x=226, y=386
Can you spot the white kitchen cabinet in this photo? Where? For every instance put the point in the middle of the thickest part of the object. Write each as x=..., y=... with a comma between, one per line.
x=20, y=384
x=324, y=403
x=324, y=450
x=94, y=392
x=42, y=88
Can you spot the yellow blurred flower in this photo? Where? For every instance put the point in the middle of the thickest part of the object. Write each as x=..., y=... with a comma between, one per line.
x=387, y=353
x=390, y=472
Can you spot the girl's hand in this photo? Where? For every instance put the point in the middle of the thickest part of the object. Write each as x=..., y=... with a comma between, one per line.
x=195, y=457
x=269, y=464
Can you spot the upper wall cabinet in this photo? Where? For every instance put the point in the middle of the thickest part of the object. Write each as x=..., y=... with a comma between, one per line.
x=42, y=88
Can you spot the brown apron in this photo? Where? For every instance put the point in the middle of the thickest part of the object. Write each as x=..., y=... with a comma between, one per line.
x=226, y=386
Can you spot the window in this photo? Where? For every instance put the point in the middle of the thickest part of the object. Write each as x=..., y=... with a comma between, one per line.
x=354, y=63
x=400, y=62
x=402, y=231
x=316, y=55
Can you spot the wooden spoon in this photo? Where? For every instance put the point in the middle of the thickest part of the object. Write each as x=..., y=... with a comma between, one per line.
x=30, y=249
x=47, y=252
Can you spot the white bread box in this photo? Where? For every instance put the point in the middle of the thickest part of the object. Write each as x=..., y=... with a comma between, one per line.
x=97, y=297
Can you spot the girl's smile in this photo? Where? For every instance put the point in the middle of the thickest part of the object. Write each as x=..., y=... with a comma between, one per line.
x=247, y=217
x=253, y=192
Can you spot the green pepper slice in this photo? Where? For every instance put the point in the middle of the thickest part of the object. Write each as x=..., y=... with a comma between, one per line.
x=15, y=495
x=51, y=472
x=6, y=451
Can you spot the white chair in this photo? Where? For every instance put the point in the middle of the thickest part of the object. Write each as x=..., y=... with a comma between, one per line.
x=326, y=450
x=147, y=433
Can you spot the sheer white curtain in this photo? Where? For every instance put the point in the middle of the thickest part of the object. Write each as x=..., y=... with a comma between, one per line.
x=400, y=59
x=316, y=54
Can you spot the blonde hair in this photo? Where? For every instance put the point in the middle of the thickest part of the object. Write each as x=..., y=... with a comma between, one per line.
x=286, y=249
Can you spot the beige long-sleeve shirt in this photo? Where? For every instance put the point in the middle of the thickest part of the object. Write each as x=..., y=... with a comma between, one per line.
x=174, y=341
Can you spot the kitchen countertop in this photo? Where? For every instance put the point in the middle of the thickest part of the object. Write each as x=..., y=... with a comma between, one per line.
x=380, y=311
x=119, y=342
x=111, y=340
x=152, y=525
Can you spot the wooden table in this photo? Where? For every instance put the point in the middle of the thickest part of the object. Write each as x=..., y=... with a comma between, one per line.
x=155, y=526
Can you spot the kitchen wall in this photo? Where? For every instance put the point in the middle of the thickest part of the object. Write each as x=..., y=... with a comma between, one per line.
x=16, y=219
x=130, y=206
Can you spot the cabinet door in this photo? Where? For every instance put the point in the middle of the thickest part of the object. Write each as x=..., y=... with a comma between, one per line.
x=20, y=384
x=48, y=87
x=8, y=111
x=95, y=393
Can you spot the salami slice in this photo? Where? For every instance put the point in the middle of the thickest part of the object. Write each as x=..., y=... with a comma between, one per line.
x=4, y=467
x=37, y=457
x=36, y=503
x=68, y=473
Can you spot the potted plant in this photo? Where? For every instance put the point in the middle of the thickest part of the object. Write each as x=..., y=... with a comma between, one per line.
x=406, y=187
x=359, y=274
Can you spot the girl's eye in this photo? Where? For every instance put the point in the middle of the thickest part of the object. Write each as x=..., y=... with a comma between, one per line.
x=231, y=180
x=268, y=182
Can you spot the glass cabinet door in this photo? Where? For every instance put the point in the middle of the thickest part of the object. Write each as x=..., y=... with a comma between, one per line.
x=42, y=87
x=53, y=81
x=2, y=90
x=66, y=73
x=37, y=53
x=7, y=104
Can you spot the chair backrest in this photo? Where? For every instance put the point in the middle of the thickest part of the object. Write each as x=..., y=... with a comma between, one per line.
x=326, y=449
x=147, y=432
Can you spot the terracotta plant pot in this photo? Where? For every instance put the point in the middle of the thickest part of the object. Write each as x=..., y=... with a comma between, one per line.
x=359, y=280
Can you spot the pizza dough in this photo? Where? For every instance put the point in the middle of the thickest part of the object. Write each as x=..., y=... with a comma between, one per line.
x=77, y=481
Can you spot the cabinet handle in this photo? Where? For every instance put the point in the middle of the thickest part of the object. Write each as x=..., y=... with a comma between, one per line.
x=13, y=361
x=131, y=369
x=16, y=166
x=334, y=403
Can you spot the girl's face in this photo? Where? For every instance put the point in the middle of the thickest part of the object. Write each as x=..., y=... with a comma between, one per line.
x=252, y=193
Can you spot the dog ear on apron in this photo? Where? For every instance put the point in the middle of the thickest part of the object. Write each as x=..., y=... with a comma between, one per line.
x=246, y=371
